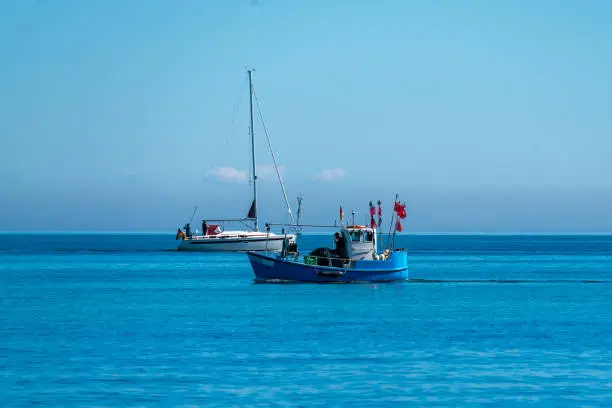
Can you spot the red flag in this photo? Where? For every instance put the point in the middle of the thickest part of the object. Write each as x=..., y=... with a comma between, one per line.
x=373, y=223
x=179, y=233
x=402, y=211
x=398, y=226
x=379, y=211
x=396, y=206
x=341, y=213
x=372, y=210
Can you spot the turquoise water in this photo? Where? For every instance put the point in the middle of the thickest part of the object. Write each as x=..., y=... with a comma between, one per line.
x=124, y=320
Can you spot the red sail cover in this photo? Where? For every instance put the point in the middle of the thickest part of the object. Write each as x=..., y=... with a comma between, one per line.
x=213, y=229
x=252, y=211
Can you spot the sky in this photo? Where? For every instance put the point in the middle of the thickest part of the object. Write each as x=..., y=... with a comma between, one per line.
x=485, y=117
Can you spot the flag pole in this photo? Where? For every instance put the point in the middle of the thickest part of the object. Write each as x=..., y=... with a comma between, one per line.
x=380, y=221
x=395, y=229
x=391, y=223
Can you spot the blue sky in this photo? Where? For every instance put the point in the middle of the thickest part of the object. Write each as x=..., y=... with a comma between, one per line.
x=484, y=116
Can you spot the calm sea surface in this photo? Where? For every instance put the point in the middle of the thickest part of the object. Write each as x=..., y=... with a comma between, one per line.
x=123, y=320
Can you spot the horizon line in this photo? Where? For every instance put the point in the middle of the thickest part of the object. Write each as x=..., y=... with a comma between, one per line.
x=320, y=232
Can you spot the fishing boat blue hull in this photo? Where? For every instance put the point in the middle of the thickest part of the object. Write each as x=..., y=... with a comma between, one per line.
x=273, y=267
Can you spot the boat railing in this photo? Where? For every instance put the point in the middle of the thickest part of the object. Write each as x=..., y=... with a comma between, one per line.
x=225, y=234
x=314, y=260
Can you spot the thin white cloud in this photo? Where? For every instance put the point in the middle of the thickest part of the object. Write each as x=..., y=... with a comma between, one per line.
x=330, y=174
x=268, y=170
x=229, y=174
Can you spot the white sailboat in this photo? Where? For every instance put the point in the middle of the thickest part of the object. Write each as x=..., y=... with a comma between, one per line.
x=214, y=238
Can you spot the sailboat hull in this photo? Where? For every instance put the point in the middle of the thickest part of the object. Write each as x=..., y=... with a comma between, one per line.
x=256, y=244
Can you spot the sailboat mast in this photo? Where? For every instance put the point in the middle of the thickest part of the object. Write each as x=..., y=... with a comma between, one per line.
x=252, y=129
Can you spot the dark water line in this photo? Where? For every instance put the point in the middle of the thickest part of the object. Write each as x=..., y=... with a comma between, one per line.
x=86, y=251
x=438, y=281
x=511, y=281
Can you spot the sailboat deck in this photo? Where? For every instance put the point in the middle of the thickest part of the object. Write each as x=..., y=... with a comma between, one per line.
x=234, y=234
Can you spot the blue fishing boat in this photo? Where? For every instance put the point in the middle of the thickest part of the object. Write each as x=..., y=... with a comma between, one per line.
x=355, y=258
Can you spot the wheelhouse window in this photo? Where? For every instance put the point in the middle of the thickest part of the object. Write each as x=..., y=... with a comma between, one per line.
x=369, y=236
x=356, y=236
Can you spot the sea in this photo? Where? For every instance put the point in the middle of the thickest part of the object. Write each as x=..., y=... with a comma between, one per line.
x=124, y=320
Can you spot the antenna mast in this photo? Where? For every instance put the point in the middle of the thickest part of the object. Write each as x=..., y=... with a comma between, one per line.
x=299, y=211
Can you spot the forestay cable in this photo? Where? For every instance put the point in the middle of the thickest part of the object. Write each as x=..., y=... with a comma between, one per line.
x=273, y=158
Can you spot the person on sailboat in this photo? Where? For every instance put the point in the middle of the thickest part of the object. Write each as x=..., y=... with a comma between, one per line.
x=188, y=230
x=204, y=228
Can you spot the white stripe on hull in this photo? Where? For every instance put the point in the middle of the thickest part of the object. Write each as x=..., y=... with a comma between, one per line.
x=234, y=245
